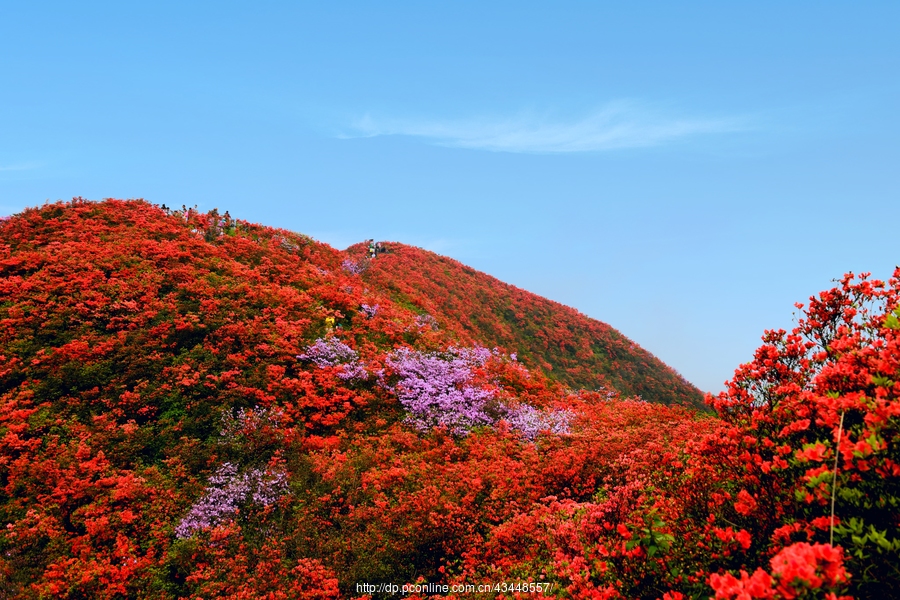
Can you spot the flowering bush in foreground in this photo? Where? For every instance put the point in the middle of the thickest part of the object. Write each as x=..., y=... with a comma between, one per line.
x=816, y=417
x=799, y=570
x=792, y=492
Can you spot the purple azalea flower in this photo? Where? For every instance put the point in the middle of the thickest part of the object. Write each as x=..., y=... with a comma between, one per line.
x=426, y=321
x=226, y=493
x=530, y=422
x=436, y=389
x=354, y=266
x=328, y=352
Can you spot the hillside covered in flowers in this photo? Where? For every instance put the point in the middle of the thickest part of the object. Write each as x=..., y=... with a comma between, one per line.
x=193, y=406
x=561, y=342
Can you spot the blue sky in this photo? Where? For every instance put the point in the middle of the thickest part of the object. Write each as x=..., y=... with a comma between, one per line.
x=685, y=173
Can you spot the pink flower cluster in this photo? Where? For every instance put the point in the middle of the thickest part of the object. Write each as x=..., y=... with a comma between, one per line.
x=530, y=422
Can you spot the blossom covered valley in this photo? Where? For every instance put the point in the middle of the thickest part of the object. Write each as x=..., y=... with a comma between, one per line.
x=193, y=406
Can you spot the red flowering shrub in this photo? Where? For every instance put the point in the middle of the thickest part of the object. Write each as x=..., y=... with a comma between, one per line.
x=796, y=570
x=226, y=566
x=819, y=402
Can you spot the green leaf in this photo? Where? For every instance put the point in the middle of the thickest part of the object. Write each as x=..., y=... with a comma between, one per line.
x=892, y=322
x=882, y=381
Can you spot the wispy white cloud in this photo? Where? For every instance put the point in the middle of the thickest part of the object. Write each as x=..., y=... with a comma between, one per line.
x=19, y=167
x=615, y=126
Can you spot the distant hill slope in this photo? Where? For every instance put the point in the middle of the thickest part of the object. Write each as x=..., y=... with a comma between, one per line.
x=568, y=346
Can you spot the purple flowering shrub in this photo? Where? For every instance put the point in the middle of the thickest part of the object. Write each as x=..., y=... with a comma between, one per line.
x=249, y=435
x=437, y=389
x=529, y=421
x=228, y=492
x=330, y=352
x=355, y=266
x=426, y=321
x=369, y=311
